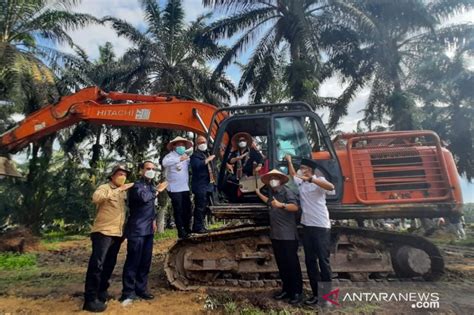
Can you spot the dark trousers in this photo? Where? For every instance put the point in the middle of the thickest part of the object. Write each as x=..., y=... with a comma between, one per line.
x=181, y=202
x=316, y=243
x=201, y=201
x=286, y=256
x=101, y=264
x=137, y=265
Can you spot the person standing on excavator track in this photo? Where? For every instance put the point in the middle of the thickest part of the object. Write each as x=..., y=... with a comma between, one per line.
x=283, y=214
x=203, y=181
x=106, y=236
x=316, y=224
x=176, y=164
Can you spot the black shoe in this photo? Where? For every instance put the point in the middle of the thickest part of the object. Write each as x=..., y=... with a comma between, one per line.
x=201, y=231
x=104, y=296
x=312, y=300
x=296, y=299
x=183, y=236
x=280, y=295
x=94, y=306
x=146, y=296
x=128, y=297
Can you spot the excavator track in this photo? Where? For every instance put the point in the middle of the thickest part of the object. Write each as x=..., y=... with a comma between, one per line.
x=242, y=257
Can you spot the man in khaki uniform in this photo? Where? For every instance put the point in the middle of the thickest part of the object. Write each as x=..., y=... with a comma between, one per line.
x=106, y=236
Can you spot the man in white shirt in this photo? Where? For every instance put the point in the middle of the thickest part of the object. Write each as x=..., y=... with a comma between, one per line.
x=176, y=164
x=316, y=223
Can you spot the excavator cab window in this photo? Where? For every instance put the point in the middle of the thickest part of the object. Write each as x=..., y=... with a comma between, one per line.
x=275, y=133
x=240, y=188
x=302, y=135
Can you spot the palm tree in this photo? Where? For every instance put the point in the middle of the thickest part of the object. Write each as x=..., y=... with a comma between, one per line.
x=25, y=78
x=166, y=57
x=25, y=26
x=395, y=37
x=302, y=29
x=106, y=72
x=444, y=86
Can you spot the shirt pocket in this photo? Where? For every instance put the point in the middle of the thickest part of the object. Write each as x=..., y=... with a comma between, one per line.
x=115, y=200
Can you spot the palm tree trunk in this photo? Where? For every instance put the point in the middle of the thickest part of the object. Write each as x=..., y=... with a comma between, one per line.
x=163, y=200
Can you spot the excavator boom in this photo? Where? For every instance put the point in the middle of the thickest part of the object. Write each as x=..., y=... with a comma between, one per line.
x=113, y=108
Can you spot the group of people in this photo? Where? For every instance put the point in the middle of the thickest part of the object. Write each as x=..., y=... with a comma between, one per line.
x=113, y=223
x=284, y=208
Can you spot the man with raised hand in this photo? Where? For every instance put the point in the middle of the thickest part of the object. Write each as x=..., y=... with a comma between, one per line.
x=107, y=236
x=316, y=223
x=176, y=164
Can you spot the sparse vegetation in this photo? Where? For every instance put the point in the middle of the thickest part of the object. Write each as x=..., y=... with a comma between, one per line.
x=14, y=261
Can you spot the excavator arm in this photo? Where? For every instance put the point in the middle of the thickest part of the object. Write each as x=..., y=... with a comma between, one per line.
x=113, y=108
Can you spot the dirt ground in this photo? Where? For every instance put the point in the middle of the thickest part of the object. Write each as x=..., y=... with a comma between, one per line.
x=56, y=287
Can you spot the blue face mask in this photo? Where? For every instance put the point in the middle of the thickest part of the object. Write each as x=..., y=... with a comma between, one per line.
x=180, y=150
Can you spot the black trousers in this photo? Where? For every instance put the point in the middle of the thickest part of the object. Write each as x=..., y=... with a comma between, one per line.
x=137, y=265
x=181, y=202
x=316, y=243
x=201, y=201
x=101, y=264
x=286, y=256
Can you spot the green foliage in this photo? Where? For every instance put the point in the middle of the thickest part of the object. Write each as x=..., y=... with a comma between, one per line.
x=57, y=236
x=60, y=190
x=14, y=261
x=167, y=234
x=468, y=210
x=25, y=27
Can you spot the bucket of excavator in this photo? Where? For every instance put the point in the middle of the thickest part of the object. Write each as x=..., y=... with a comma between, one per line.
x=8, y=168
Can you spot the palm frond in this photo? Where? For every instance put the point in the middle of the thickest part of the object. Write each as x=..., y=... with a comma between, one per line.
x=125, y=29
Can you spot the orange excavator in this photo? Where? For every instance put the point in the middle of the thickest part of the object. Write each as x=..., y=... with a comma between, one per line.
x=377, y=175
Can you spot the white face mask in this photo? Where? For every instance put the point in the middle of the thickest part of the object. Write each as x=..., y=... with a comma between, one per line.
x=150, y=174
x=242, y=144
x=274, y=183
x=299, y=173
x=202, y=146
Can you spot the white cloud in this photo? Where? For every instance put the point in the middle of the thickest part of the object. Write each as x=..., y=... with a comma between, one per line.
x=89, y=38
x=193, y=9
x=333, y=87
x=465, y=17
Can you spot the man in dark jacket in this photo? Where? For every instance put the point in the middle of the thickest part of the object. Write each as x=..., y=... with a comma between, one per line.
x=202, y=182
x=139, y=230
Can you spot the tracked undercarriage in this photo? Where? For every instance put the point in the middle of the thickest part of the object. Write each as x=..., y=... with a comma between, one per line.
x=242, y=256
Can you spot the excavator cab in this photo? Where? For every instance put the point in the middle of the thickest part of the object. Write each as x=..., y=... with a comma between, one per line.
x=277, y=130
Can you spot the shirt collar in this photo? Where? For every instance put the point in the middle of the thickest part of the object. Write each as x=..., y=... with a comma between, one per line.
x=112, y=185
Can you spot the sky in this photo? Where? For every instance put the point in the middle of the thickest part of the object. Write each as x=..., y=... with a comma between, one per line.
x=91, y=37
